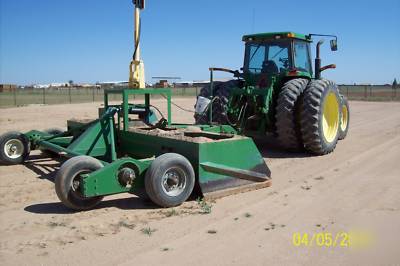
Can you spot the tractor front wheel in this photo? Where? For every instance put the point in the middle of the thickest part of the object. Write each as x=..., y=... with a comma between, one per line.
x=14, y=148
x=68, y=182
x=170, y=179
x=221, y=94
x=320, y=116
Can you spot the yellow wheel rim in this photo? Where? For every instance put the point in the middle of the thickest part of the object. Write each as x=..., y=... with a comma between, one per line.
x=344, y=120
x=330, y=117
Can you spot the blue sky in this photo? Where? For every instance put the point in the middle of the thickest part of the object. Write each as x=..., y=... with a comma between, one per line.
x=45, y=41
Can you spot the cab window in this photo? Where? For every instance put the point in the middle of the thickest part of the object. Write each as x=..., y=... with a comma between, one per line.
x=302, y=56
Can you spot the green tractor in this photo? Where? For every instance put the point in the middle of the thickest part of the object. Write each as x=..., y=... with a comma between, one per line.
x=278, y=92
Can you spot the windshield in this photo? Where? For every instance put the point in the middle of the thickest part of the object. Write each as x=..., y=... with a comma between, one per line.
x=272, y=57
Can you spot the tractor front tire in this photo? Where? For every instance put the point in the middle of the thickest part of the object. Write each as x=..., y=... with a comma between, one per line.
x=287, y=114
x=169, y=180
x=14, y=148
x=221, y=94
x=67, y=182
x=345, y=118
x=320, y=116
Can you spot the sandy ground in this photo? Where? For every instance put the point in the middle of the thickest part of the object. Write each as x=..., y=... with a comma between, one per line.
x=357, y=188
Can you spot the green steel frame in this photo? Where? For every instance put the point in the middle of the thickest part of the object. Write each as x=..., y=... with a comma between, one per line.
x=125, y=93
x=221, y=160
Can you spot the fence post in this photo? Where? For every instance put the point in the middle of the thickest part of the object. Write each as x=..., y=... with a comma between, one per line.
x=197, y=93
x=69, y=94
x=347, y=91
x=15, y=96
x=365, y=92
x=44, y=96
x=370, y=91
x=93, y=93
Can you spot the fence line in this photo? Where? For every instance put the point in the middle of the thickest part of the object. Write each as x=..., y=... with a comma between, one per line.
x=19, y=97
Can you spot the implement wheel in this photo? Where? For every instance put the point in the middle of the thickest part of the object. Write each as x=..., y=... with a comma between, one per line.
x=68, y=182
x=52, y=131
x=288, y=114
x=169, y=181
x=345, y=118
x=320, y=116
x=14, y=148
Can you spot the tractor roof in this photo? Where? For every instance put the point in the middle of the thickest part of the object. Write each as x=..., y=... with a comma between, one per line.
x=276, y=35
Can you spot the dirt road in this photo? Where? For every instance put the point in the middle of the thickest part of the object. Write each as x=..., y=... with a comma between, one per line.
x=357, y=188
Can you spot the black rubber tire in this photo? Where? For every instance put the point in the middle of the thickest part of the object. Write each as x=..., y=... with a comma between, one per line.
x=312, y=117
x=4, y=157
x=65, y=176
x=154, y=179
x=343, y=130
x=222, y=91
x=287, y=114
x=52, y=131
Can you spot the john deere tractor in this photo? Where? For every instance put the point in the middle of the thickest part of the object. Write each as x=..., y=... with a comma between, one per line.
x=277, y=91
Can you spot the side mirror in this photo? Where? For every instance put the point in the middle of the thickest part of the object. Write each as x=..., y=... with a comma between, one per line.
x=334, y=45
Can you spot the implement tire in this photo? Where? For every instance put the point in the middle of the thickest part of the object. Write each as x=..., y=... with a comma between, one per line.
x=345, y=118
x=287, y=114
x=320, y=116
x=67, y=182
x=14, y=148
x=169, y=180
x=51, y=131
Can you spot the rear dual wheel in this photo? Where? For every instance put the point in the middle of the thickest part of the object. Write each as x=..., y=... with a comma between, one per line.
x=345, y=118
x=287, y=114
x=321, y=116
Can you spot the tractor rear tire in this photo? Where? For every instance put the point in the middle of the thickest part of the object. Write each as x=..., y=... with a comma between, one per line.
x=169, y=180
x=320, y=116
x=14, y=148
x=287, y=114
x=345, y=118
x=221, y=93
x=67, y=182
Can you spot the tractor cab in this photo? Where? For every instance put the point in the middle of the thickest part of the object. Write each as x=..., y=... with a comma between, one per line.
x=275, y=55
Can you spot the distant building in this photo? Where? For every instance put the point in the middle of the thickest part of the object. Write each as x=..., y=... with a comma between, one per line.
x=7, y=87
x=163, y=83
x=202, y=83
x=183, y=84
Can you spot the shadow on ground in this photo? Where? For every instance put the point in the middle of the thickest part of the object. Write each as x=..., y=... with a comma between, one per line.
x=131, y=203
x=44, y=166
x=270, y=148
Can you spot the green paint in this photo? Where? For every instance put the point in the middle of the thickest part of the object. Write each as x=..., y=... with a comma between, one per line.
x=275, y=35
x=237, y=154
x=251, y=108
x=215, y=152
